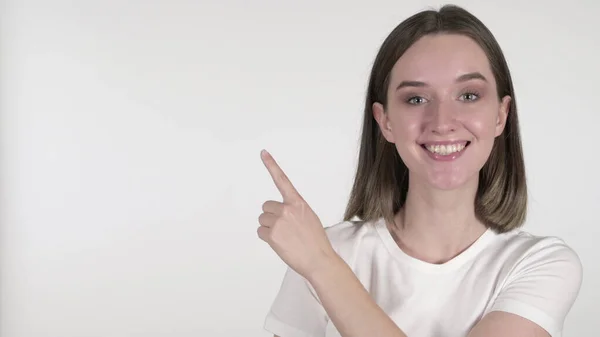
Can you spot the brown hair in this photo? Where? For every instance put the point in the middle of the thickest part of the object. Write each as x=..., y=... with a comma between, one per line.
x=381, y=180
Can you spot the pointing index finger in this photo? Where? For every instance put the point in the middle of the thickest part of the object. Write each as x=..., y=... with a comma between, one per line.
x=283, y=183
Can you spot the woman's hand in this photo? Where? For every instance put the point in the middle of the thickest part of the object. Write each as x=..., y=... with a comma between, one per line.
x=292, y=228
x=296, y=234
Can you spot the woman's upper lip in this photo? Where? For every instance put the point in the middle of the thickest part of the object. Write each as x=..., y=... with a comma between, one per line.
x=444, y=142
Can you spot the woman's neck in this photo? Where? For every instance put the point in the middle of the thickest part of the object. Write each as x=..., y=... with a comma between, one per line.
x=434, y=225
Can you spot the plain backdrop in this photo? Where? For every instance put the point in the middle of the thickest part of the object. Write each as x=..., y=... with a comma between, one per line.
x=130, y=134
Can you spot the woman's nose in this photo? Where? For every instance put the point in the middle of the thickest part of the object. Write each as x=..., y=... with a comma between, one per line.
x=443, y=118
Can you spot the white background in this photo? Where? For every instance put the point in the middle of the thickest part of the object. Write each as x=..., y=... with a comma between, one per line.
x=130, y=138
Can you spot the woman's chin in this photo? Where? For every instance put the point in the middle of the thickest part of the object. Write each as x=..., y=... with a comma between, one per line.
x=449, y=182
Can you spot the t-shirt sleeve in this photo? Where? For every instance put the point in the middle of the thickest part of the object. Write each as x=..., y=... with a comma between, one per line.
x=296, y=310
x=543, y=286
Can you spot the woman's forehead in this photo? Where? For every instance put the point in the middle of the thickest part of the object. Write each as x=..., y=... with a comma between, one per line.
x=441, y=58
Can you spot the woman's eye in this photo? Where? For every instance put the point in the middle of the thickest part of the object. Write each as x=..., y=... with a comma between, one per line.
x=469, y=96
x=416, y=100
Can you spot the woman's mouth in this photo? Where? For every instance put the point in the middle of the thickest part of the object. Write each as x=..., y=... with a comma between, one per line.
x=445, y=151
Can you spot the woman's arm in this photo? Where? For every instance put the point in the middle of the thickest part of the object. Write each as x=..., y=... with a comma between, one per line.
x=355, y=314
x=297, y=235
x=348, y=304
x=501, y=324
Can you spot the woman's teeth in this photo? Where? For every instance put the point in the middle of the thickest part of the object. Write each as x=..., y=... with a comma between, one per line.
x=445, y=149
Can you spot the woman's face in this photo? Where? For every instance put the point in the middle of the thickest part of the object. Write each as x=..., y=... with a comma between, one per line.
x=443, y=111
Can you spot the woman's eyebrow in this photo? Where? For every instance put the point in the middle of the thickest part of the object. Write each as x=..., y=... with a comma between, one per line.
x=462, y=78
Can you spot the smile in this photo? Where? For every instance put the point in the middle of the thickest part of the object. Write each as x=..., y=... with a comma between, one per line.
x=445, y=151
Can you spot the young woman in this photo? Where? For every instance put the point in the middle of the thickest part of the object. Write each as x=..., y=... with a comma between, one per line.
x=430, y=244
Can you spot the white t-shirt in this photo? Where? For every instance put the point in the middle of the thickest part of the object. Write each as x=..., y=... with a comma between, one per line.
x=537, y=278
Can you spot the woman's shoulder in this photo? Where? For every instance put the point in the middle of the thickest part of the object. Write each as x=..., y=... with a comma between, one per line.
x=346, y=235
x=527, y=243
x=345, y=231
x=540, y=277
x=524, y=248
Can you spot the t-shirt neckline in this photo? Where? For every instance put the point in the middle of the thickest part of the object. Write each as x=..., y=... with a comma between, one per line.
x=454, y=263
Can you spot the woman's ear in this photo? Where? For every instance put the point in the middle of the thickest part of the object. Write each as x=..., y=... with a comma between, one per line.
x=383, y=121
x=503, y=112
